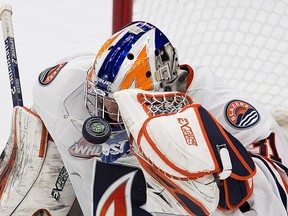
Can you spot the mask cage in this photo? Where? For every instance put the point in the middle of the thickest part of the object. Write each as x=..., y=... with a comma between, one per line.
x=166, y=103
x=96, y=102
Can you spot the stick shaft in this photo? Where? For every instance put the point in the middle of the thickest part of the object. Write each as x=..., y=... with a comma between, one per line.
x=12, y=63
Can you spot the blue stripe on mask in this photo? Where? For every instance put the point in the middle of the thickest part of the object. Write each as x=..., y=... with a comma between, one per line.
x=117, y=55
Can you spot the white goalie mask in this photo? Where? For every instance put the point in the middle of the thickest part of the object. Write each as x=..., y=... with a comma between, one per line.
x=138, y=56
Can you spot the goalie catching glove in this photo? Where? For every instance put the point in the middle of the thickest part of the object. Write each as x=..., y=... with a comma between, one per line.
x=184, y=149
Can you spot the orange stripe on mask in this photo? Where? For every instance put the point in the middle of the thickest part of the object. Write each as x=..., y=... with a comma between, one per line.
x=106, y=45
x=138, y=72
x=100, y=52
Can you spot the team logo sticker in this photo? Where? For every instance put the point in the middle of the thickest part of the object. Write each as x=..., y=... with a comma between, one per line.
x=48, y=75
x=82, y=148
x=241, y=114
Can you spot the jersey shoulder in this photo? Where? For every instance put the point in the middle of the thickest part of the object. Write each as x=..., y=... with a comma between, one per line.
x=56, y=83
x=65, y=68
x=236, y=111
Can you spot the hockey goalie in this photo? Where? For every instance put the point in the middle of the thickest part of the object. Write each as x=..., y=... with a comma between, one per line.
x=141, y=134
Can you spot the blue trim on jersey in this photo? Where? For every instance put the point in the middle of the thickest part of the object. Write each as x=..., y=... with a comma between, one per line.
x=281, y=166
x=108, y=179
x=281, y=191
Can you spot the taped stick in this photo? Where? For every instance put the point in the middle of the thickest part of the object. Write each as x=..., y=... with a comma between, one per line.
x=12, y=63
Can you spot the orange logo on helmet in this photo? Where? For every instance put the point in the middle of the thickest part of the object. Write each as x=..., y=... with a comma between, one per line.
x=137, y=73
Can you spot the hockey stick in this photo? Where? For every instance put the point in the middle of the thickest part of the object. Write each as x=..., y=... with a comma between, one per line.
x=8, y=34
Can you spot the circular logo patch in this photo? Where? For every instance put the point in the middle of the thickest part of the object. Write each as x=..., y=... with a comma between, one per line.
x=48, y=75
x=241, y=114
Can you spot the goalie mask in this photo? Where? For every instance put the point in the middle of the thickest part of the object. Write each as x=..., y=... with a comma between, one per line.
x=138, y=56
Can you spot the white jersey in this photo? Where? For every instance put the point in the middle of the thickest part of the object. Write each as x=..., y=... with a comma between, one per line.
x=50, y=101
x=58, y=99
x=239, y=114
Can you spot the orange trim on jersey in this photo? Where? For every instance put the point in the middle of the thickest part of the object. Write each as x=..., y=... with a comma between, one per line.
x=190, y=74
x=274, y=153
x=270, y=144
x=116, y=199
x=137, y=73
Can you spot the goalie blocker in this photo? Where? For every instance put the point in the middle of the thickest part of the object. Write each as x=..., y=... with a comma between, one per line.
x=175, y=147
